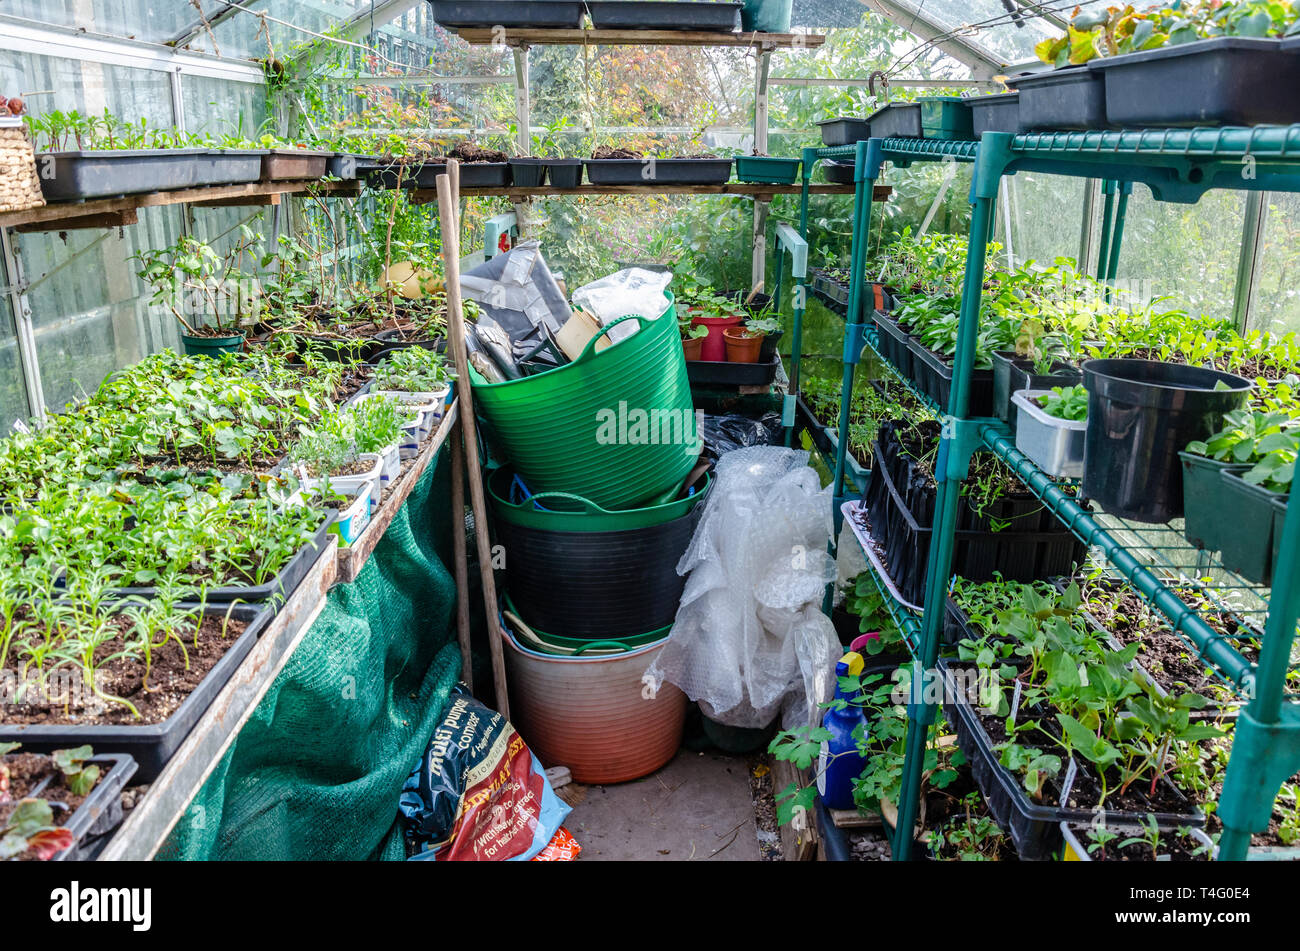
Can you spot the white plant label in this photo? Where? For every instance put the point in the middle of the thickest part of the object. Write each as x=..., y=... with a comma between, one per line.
x=1015, y=702
x=21, y=427
x=1067, y=785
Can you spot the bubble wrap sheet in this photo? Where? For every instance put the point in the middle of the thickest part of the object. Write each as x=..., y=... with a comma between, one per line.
x=750, y=641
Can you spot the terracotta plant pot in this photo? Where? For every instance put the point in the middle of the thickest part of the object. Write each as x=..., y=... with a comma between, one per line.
x=693, y=348
x=742, y=345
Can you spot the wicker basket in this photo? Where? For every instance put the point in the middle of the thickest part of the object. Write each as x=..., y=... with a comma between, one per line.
x=20, y=189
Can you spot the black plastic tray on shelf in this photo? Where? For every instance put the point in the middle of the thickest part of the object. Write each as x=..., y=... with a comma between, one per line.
x=153, y=744
x=1228, y=80
x=664, y=171
x=1069, y=98
x=100, y=813
x=893, y=340
x=1034, y=827
x=805, y=418
x=838, y=173
x=843, y=130
x=996, y=113
x=933, y=377
x=897, y=120
x=488, y=14
x=726, y=373
x=698, y=15
x=73, y=176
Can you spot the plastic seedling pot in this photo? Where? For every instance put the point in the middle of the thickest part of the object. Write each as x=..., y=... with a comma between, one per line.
x=843, y=130
x=351, y=483
x=212, y=346
x=1074, y=850
x=1205, y=521
x=1055, y=445
x=100, y=813
x=527, y=172
x=1012, y=374
x=391, y=470
x=714, y=348
x=893, y=343
x=996, y=113
x=349, y=523
x=564, y=173
x=1141, y=414
x=77, y=175
x=742, y=346
x=348, y=165
x=1070, y=98
x=946, y=117
x=899, y=120
x=1246, y=543
x=285, y=164
x=767, y=169
x=933, y=376
x=153, y=744
x=488, y=14
x=1228, y=80
x=664, y=15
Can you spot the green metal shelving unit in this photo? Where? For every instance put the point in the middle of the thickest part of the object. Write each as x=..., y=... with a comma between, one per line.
x=1178, y=165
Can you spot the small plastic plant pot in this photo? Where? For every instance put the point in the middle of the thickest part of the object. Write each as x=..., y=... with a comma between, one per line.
x=1141, y=414
x=1204, y=521
x=743, y=346
x=715, y=346
x=212, y=346
x=692, y=347
x=565, y=173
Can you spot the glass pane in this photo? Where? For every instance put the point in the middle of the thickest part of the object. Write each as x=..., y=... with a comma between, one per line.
x=1007, y=37
x=288, y=23
x=219, y=106
x=51, y=83
x=154, y=21
x=13, y=393
x=1187, y=253
x=91, y=313
x=1277, y=284
x=1046, y=212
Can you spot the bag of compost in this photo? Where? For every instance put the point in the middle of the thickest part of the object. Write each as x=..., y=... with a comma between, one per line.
x=478, y=793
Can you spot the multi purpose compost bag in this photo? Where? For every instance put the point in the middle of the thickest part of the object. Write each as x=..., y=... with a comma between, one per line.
x=479, y=794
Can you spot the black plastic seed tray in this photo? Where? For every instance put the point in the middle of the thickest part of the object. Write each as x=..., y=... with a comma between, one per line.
x=843, y=130
x=75, y=176
x=725, y=373
x=838, y=173
x=151, y=745
x=696, y=15
x=1070, y=98
x=487, y=14
x=997, y=113
x=101, y=812
x=648, y=171
x=897, y=120
x=1229, y=80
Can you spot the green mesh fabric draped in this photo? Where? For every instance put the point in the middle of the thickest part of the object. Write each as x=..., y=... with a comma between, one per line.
x=317, y=769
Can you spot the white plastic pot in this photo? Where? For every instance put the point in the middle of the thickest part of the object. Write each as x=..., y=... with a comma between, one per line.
x=1056, y=445
x=351, y=483
x=352, y=521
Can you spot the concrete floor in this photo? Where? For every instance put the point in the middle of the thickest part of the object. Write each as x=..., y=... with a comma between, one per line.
x=697, y=808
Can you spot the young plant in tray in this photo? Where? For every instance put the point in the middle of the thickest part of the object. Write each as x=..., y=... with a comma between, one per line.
x=412, y=370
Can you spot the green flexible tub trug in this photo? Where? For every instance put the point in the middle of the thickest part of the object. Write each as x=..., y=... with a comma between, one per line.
x=616, y=427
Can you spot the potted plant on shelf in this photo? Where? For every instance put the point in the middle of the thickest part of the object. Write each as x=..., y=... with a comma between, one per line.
x=745, y=343
x=716, y=313
x=1052, y=431
x=190, y=276
x=692, y=337
x=1037, y=363
x=769, y=325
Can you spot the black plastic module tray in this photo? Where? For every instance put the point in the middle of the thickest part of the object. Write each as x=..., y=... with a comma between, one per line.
x=933, y=377
x=725, y=373
x=412, y=175
x=564, y=173
x=1070, y=98
x=101, y=812
x=486, y=14
x=349, y=165
x=1228, y=80
x=699, y=15
x=670, y=171
x=153, y=744
x=838, y=173
x=72, y=176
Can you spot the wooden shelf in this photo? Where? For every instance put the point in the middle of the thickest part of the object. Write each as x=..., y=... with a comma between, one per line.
x=111, y=212
x=353, y=558
x=524, y=37
x=420, y=196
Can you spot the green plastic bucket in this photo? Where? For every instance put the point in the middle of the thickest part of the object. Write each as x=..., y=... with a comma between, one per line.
x=566, y=512
x=212, y=346
x=616, y=427
x=766, y=16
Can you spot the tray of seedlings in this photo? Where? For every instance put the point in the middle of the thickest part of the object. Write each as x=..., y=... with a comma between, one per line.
x=59, y=806
x=614, y=166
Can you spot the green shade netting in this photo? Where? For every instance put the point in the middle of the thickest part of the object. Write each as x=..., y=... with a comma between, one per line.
x=317, y=770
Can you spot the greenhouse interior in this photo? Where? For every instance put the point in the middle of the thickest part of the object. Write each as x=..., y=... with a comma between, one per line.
x=552, y=430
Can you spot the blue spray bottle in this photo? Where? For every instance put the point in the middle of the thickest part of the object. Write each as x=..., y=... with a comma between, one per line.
x=840, y=762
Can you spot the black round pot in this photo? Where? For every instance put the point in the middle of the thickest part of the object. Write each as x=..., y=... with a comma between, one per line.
x=565, y=173
x=602, y=584
x=527, y=172
x=1141, y=414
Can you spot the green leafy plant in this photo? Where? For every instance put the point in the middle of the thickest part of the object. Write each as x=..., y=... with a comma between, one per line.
x=1066, y=402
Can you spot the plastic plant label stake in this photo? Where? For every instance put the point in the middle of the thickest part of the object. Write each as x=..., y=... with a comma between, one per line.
x=21, y=427
x=1015, y=703
x=1067, y=785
